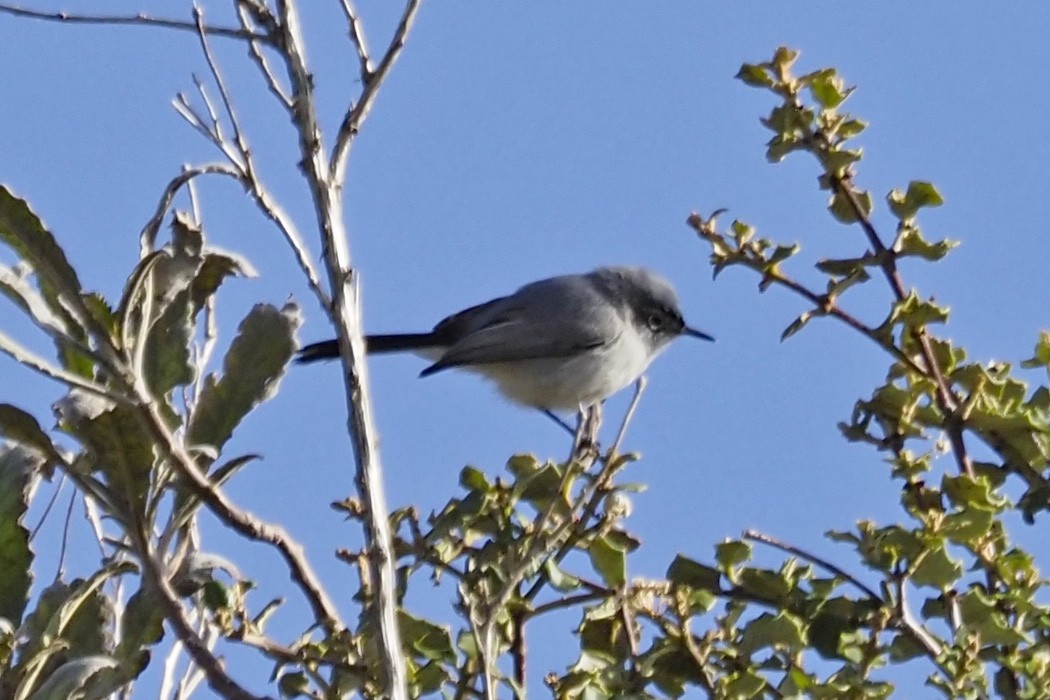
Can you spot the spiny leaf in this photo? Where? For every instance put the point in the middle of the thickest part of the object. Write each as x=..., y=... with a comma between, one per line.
x=252, y=368
x=19, y=475
x=23, y=231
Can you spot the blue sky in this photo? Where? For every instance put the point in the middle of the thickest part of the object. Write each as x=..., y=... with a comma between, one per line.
x=519, y=140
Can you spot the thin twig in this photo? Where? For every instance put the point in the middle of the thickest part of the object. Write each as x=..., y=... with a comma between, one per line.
x=357, y=38
x=357, y=114
x=139, y=19
x=756, y=536
x=149, y=232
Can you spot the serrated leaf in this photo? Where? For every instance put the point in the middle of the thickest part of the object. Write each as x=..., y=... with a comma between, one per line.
x=166, y=358
x=252, y=369
x=980, y=614
x=754, y=75
x=968, y=525
x=117, y=446
x=426, y=639
x=910, y=243
x=781, y=631
x=936, y=568
x=913, y=312
x=21, y=428
x=684, y=571
x=1041, y=355
x=16, y=286
x=24, y=232
x=609, y=561
x=19, y=475
x=217, y=266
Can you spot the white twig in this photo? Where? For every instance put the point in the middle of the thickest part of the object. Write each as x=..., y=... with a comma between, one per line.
x=357, y=38
x=356, y=115
x=140, y=19
x=326, y=191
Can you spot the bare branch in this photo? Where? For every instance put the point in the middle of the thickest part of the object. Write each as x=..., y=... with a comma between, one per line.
x=357, y=114
x=346, y=310
x=248, y=17
x=149, y=231
x=139, y=19
x=357, y=38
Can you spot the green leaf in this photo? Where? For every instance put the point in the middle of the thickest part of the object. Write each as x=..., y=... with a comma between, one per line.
x=842, y=209
x=16, y=286
x=473, y=479
x=763, y=583
x=730, y=553
x=23, y=429
x=684, y=571
x=142, y=623
x=19, y=474
x=828, y=89
x=781, y=631
x=426, y=639
x=1041, y=356
x=95, y=676
x=116, y=443
x=913, y=312
x=973, y=492
x=980, y=614
x=796, y=325
x=904, y=648
x=755, y=75
x=166, y=358
x=968, y=526
x=217, y=266
x=24, y=232
x=935, y=568
x=252, y=369
x=910, y=242
x=560, y=580
x=609, y=561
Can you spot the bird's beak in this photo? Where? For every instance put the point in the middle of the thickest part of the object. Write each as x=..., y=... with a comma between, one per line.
x=697, y=334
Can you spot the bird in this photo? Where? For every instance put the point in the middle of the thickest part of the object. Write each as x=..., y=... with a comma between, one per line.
x=561, y=343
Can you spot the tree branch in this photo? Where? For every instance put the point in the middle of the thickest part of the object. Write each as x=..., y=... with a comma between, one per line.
x=139, y=19
x=356, y=115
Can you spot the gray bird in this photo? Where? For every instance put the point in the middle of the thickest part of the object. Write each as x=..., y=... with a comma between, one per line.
x=560, y=343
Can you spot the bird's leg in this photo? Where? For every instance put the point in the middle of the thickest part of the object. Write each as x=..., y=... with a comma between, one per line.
x=639, y=387
x=554, y=417
x=585, y=440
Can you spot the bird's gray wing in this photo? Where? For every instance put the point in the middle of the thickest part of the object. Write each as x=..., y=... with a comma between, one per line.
x=516, y=335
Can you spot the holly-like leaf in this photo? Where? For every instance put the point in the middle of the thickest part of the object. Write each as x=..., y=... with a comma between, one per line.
x=252, y=369
x=19, y=475
x=936, y=568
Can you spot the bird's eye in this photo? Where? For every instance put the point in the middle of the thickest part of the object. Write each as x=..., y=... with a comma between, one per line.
x=655, y=322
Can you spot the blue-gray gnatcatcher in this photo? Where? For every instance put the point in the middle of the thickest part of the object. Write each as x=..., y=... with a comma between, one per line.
x=560, y=343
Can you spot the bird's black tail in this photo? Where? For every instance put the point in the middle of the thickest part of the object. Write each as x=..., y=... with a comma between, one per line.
x=396, y=342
